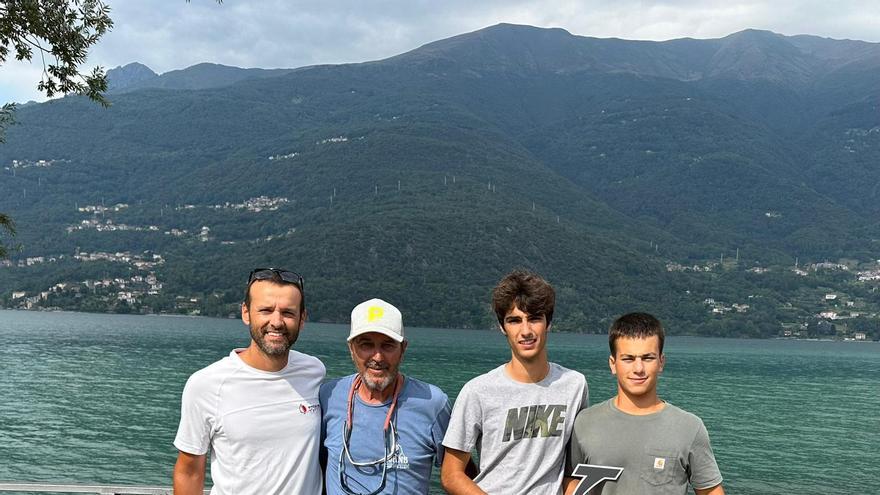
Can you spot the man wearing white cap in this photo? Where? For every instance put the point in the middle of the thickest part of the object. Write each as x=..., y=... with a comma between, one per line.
x=381, y=431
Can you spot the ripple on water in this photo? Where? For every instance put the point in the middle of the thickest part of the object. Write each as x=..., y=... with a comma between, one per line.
x=100, y=402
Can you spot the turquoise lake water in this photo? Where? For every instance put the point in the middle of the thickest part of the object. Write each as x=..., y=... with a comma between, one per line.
x=95, y=398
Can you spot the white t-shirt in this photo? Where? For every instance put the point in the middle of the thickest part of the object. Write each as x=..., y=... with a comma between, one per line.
x=263, y=428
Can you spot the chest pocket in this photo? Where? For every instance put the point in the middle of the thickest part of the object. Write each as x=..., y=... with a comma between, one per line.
x=660, y=469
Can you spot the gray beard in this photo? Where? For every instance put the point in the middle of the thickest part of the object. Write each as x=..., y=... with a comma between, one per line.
x=378, y=386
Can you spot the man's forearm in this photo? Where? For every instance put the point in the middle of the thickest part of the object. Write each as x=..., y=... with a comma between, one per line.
x=458, y=483
x=569, y=485
x=188, y=483
x=715, y=490
x=189, y=475
x=457, y=464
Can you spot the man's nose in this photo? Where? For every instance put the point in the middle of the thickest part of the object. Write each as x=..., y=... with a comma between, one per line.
x=276, y=320
x=639, y=366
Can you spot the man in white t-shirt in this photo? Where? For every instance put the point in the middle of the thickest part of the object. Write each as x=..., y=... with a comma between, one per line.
x=256, y=411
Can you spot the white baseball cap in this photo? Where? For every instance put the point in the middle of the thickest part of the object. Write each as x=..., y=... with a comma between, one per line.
x=377, y=316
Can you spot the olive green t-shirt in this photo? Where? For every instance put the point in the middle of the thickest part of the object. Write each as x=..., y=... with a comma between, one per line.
x=660, y=453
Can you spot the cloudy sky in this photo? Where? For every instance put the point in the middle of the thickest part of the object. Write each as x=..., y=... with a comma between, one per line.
x=174, y=34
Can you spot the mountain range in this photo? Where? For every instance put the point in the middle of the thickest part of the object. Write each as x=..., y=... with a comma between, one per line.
x=424, y=177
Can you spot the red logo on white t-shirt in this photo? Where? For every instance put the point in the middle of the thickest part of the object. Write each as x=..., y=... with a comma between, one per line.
x=308, y=408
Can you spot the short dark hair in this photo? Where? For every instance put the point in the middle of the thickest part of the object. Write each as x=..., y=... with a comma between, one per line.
x=277, y=280
x=525, y=290
x=634, y=326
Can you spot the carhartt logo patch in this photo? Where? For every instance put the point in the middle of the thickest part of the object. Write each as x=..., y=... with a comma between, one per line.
x=375, y=313
x=659, y=463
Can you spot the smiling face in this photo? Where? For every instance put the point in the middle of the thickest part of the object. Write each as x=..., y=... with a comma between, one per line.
x=526, y=335
x=377, y=358
x=637, y=364
x=274, y=317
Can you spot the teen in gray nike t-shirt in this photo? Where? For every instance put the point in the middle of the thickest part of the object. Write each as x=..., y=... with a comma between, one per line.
x=519, y=416
x=518, y=429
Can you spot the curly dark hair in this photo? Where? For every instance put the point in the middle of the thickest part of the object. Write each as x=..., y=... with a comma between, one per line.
x=525, y=290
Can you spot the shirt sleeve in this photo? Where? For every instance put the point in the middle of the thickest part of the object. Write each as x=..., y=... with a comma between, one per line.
x=438, y=431
x=703, y=470
x=323, y=398
x=574, y=454
x=196, y=420
x=585, y=403
x=465, y=423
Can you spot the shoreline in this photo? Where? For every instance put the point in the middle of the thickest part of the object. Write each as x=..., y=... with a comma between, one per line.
x=671, y=335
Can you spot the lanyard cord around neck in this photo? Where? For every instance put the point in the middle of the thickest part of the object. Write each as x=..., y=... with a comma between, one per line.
x=355, y=384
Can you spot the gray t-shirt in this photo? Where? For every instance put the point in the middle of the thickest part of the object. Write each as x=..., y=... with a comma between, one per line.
x=659, y=453
x=518, y=429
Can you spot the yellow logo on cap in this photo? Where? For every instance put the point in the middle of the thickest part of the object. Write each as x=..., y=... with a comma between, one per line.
x=375, y=313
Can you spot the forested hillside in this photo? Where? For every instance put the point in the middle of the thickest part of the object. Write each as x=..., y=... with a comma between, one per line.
x=728, y=185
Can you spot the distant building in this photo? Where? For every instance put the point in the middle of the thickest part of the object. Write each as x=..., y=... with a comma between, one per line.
x=825, y=265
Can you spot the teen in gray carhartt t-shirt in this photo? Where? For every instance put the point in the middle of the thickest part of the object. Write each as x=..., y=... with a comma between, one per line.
x=519, y=429
x=660, y=447
x=660, y=453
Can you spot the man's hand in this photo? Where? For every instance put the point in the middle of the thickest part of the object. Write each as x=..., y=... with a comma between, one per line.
x=454, y=474
x=189, y=474
x=569, y=485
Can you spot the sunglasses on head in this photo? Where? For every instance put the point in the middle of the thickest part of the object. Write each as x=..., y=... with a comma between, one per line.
x=271, y=273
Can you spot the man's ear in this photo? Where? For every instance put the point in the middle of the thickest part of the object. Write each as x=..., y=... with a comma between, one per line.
x=662, y=362
x=245, y=317
x=611, y=365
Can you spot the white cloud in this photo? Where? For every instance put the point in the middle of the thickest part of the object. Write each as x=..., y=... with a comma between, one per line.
x=173, y=34
x=18, y=81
